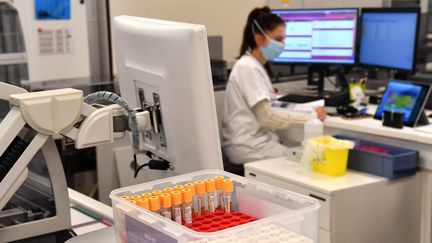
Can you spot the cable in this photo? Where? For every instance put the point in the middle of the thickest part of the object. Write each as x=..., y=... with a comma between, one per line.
x=11, y=155
x=114, y=98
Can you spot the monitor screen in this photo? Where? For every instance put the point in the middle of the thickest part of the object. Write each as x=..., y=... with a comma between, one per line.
x=388, y=38
x=403, y=97
x=319, y=36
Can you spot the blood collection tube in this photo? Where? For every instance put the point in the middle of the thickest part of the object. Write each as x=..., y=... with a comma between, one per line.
x=146, y=195
x=194, y=201
x=178, y=187
x=126, y=198
x=200, y=192
x=166, y=205
x=168, y=190
x=135, y=197
x=154, y=203
x=228, y=189
x=219, y=191
x=187, y=205
x=176, y=199
x=143, y=202
x=211, y=197
x=157, y=192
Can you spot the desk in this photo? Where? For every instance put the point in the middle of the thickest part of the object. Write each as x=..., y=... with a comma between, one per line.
x=355, y=208
x=372, y=129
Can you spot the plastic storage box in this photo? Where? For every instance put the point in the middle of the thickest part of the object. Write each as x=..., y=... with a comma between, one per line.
x=270, y=214
x=382, y=159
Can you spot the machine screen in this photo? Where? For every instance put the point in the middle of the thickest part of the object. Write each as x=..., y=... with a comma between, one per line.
x=403, y=97
x=52, y=9
x=319, y=36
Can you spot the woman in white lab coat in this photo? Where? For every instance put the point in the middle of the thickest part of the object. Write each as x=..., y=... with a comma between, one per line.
x=249, y=121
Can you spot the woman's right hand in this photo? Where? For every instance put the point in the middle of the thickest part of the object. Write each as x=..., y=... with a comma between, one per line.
x=321, y=113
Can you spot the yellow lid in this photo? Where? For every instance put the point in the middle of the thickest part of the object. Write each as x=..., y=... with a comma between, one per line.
x=154, y=203
x=166, y=200
x=200, y=187
x=143, y=202
x=135, y=197
x=156, y=192
x=168, y=190
x=228, y=185
x=178, y=187
x=191, y=186
x=187, y=195
x=176, y=197
x=210, y=185
x=132, y=201
x=146, y=195
x=127, y=198
x=218, y=182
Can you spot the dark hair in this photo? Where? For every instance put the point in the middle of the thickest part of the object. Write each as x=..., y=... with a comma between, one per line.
x=267, y=21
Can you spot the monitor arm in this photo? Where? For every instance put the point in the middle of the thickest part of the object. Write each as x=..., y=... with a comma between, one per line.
x=61, y=112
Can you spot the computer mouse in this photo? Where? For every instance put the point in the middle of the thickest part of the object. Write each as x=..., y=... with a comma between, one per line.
x=346, y=109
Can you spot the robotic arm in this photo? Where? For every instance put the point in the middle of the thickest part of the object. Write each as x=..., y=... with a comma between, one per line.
x=58, y=112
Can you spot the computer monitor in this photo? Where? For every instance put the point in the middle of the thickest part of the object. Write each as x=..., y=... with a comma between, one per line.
x=388, y=38
x=320, y=36
x=166, y=65
x=404, y=97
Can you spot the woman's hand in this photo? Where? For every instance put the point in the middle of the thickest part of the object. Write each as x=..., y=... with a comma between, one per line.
x=321, y=113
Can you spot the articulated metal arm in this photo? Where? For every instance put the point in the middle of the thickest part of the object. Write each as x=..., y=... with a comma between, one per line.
x=53, y=112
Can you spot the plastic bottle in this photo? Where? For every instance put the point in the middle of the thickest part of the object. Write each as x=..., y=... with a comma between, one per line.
x=313, y=128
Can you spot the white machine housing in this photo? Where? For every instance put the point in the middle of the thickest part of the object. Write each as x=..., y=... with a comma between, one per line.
x=55, y=49
x=164, y=66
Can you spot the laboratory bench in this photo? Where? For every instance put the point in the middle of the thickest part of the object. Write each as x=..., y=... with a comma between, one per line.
x=356, y=207
x=418, y=138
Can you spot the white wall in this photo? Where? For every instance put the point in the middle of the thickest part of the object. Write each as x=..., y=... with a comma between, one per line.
x=221, y=17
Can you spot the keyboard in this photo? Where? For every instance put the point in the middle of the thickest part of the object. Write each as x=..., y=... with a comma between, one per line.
x=294, y=98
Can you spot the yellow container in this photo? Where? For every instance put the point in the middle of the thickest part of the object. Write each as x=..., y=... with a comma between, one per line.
x=331, y=155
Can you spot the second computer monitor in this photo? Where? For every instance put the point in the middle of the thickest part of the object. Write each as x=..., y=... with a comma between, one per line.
x=325, y=36
x=388, y=38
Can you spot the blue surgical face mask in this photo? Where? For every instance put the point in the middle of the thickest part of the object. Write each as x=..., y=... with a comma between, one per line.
x=274, y=47
x=272, y=50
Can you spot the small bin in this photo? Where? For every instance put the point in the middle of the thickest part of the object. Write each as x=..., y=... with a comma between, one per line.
x=262, y=212
x=382, y=159
x=330, y=155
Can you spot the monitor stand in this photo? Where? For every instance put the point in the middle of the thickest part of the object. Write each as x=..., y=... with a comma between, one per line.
x=423, y=120
x=340, y=97
x=316, y=75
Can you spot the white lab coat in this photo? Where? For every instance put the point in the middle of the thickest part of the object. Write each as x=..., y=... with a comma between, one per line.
x=243, y=139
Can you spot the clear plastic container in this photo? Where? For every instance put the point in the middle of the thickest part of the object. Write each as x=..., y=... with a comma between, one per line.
x=267, y=211
x=313, y=127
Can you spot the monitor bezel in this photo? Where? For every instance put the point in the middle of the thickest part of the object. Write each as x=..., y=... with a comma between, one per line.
x=389, y=10
x=324, y=63
x=411, y=122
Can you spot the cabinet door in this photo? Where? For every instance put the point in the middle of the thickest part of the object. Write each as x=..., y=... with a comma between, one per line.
x=325, y=200
x=325, y=236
